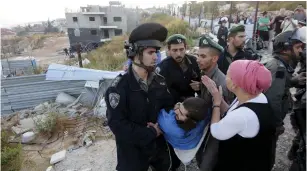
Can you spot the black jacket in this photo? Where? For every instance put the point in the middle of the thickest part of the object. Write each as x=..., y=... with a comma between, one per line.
x=222, y=36
x=225, y=59
x=178, y=81
x=129, y=109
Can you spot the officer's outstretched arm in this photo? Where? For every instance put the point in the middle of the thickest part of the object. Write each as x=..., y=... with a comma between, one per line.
x=275, y=94
x=120, y=125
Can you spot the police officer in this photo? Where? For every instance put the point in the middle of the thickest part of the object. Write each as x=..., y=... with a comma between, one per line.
x=134, y=100
x=234, y=50
x=180, y=70
x=222, y=33
x=208, y=55
x=286, y=48
x=298, y=116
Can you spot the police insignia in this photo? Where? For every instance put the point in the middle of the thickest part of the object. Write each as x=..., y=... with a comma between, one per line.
x=158, y=70
x=114, y=100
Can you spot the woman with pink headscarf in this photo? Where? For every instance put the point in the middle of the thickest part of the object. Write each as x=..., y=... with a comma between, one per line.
x=245, y=129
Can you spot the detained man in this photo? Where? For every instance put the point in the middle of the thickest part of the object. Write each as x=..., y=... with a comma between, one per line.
x=185, y=127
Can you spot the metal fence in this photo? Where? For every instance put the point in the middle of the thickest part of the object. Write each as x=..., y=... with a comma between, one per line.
x=12, y=66
x=24, y=92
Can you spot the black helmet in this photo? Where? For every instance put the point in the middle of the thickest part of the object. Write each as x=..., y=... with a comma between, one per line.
x=145, y=35
x=285, y=40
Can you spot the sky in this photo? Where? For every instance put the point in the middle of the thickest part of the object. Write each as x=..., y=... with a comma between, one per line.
x=14, y=12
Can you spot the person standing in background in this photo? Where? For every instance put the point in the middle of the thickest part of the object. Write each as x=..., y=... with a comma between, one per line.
x=264, y=23
x=222, y=33
x=289, y=24
x=299, y=13
x=278, y=20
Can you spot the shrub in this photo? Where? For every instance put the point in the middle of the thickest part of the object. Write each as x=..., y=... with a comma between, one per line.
x=11, y=154
x=110, y=56
x=48, y=124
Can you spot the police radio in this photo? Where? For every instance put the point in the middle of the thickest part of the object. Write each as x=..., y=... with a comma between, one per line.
x=130, y=49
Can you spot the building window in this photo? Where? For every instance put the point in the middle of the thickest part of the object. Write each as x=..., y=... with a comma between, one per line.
x=93, y=32
x=118, y=32
x=105, y=19
x=117, y=19
x=106, y=34
x=92, y=18
x=75, y=19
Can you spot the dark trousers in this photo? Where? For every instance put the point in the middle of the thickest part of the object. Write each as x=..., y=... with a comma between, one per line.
x=161, y=162
x=175, y=160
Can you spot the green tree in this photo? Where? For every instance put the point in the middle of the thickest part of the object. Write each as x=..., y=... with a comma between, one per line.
x=49, y=28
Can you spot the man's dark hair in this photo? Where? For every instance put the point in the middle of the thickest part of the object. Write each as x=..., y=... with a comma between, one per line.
x=197, y=111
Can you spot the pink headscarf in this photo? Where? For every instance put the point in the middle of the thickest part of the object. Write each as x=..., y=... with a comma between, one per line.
x=250, y=75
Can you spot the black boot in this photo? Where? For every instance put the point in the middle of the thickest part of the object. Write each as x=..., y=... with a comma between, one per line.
x=292, y=153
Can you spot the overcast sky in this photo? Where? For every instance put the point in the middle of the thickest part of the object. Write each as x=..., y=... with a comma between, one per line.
x=14, y=12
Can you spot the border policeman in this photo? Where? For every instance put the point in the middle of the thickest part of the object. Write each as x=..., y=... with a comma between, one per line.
x=180, y=70
x=287, y=47
x=234, y=50
x=208, y=55
x=134, y=100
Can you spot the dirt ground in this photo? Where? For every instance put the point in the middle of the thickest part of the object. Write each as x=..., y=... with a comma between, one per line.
x=52, y=52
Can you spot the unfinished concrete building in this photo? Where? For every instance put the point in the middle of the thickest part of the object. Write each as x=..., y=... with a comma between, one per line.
x=95, y=23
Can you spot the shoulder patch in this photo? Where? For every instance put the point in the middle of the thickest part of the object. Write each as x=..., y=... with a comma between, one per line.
x=158, y=69
x=116, y=80
x=114, y=99
x=280, y=74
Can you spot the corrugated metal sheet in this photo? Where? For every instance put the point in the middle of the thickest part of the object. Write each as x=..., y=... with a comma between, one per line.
x=28, y=91
x=11, y=66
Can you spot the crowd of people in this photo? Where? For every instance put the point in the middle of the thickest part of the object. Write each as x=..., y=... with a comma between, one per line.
x=225, y=107
x=269, y=24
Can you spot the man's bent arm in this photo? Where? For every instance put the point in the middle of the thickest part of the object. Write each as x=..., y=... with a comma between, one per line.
x=121, y=126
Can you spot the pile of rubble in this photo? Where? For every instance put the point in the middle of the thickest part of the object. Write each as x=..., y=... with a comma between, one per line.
x=65, y=116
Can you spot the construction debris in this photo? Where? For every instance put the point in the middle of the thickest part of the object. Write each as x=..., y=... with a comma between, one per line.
x=100, y=109
x=88, y=138
x=57, y=157
x=27, y=137
x=64, y=98
x=50, y=168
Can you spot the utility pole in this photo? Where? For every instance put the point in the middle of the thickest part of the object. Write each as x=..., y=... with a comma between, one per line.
x=230, y=11
x=199, y=16
x=190, y=13
x=79, y=55
x=255, y=21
